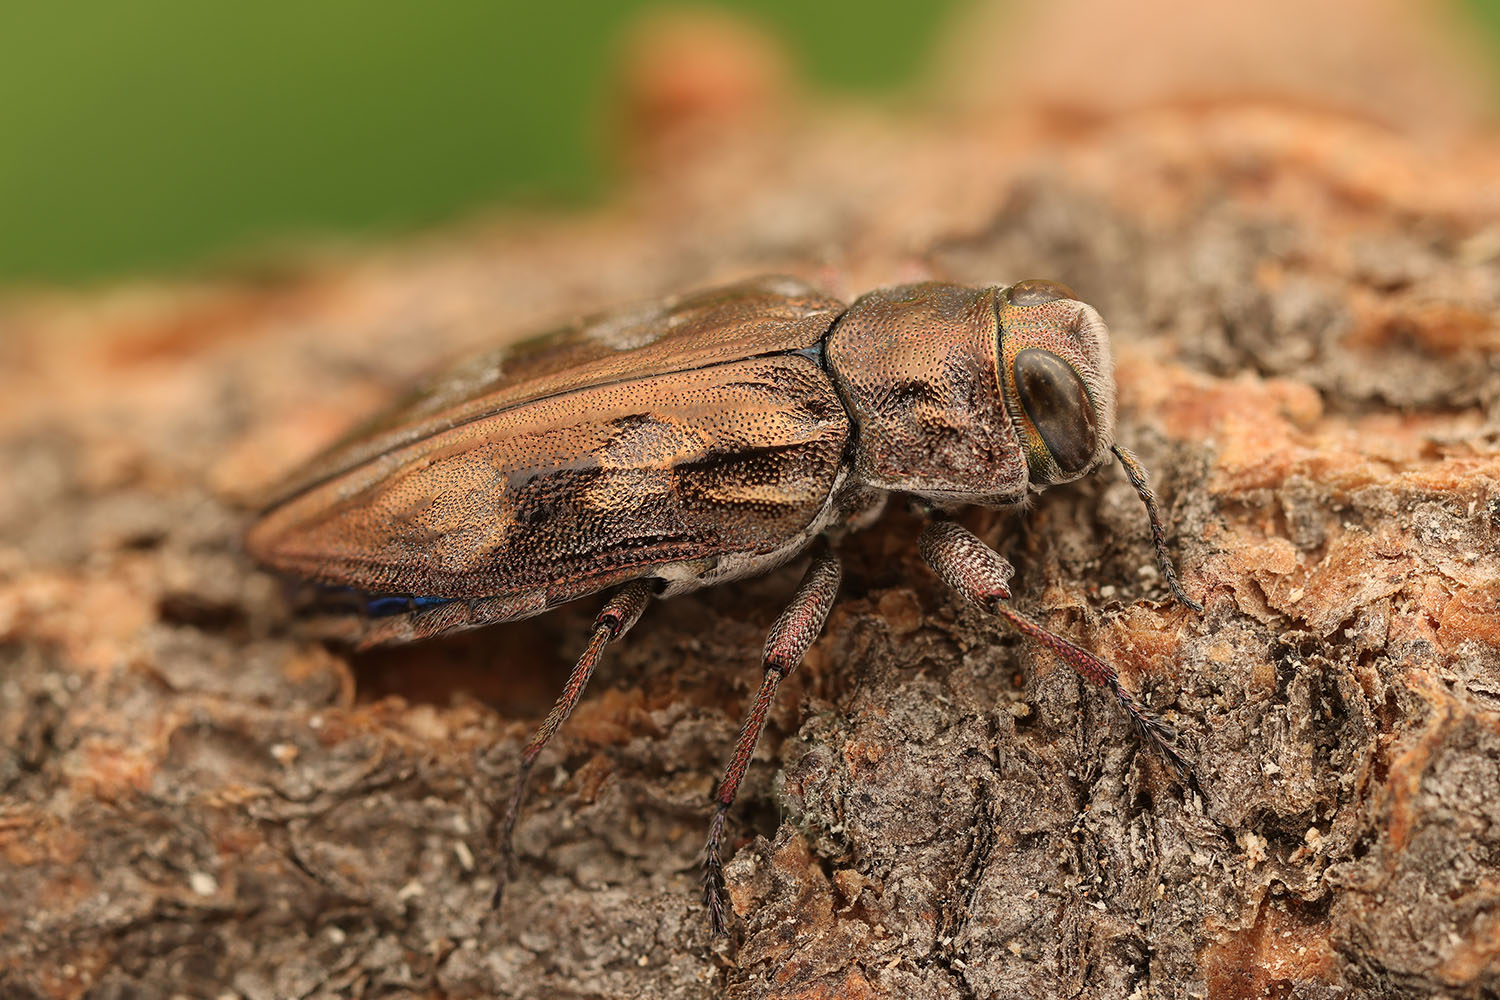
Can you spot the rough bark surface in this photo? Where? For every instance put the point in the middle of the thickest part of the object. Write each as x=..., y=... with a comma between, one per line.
x=202, y=799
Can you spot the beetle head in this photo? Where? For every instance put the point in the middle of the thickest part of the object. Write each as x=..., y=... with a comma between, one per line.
x=1057, y=379
x=977, y=395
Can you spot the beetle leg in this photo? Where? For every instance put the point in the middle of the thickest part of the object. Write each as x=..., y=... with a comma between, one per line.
x=982, y=576
x=787, y=643
x=619, y=614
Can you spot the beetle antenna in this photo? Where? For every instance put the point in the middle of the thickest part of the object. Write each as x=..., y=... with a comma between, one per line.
x=1136, y=473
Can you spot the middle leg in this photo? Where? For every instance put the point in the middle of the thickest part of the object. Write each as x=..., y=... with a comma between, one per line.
x=791, y=636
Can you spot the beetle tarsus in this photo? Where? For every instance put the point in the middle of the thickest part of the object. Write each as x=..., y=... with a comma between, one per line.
x=507, y=831
x=713, y=874
x=1156, y=731
x=513, y=810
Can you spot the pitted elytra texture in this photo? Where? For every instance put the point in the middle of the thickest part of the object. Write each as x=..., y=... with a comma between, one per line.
x=672, y=446
x=572, y=488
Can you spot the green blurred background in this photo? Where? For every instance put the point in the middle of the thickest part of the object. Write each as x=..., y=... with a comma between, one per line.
x=155, y=135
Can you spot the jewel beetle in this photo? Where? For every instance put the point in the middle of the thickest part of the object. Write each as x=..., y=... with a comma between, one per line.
x=657, y=449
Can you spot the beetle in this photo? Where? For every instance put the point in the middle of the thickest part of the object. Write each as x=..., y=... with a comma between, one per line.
x=660, y=448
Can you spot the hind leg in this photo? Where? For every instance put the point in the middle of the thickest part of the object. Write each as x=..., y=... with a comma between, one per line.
x=619, y=614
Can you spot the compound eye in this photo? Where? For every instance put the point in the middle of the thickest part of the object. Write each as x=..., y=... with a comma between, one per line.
x=1036, y=291
x=1058, y=407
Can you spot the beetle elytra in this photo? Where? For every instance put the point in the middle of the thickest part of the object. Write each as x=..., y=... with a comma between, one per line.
x=658, y=449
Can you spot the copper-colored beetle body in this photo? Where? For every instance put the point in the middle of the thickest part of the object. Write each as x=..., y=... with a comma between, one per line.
x=694, y=442
x=667, y=447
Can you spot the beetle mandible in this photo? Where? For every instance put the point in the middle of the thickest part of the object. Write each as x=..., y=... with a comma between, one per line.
x=658, y=449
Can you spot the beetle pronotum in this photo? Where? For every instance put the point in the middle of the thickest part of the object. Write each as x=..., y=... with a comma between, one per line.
x=659, y=449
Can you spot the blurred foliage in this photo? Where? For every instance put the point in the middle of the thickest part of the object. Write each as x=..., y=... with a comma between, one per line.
x=154, y=134
x=1487, y=14
x=143, y=136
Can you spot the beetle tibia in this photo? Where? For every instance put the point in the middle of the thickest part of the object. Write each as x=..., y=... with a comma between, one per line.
x=1157, y=731
x=789, y=639
x=619, y=613
x=981, y=575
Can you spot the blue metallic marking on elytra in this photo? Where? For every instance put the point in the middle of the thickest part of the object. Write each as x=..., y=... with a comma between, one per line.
x=380, y=607
x=384, y=605
x=355, y=601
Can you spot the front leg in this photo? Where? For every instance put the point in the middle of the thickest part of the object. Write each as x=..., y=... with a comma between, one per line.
x=982, y=576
